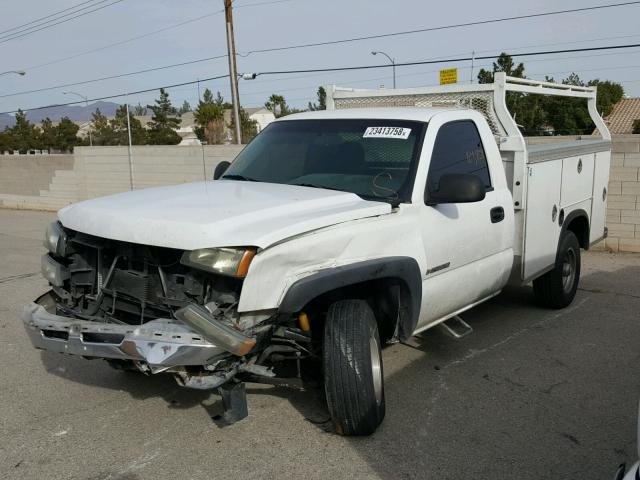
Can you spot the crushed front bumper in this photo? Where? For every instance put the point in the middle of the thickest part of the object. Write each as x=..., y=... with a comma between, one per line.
x=159, y=343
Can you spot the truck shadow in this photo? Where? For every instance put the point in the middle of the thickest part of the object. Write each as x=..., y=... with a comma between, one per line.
x=532, y=394
x=97, y=373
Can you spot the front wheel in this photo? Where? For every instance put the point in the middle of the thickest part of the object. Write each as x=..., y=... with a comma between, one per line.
x=353, y=376
x=557, y=288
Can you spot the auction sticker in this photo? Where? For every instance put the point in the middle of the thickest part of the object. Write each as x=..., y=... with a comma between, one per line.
x=387, y=132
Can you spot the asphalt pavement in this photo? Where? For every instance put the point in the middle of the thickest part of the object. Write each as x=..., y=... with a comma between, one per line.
x=531, y=394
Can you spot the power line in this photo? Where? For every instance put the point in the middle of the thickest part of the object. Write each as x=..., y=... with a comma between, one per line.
x=58, y=23
x=149, y=34
x=49, y=16
x=128, y=40
x=126, y=94
x=361, y=67
x=200, y=60
x=451, y=60
x=111, y=77
x=443, y=27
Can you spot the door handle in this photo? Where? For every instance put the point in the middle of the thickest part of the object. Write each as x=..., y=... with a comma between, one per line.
x=497, y=214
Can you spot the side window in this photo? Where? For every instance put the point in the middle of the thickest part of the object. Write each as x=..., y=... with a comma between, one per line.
x=458, y=149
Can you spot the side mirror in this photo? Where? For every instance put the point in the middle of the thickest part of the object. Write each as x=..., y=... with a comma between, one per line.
x=220, y=169
x=457, y=188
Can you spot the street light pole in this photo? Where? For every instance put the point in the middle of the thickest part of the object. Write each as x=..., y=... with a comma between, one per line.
x=22, y=73
x=233, y=73
x=86, y=103
x=393, y=63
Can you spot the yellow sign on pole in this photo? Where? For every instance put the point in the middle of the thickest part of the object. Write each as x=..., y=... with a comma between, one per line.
x=448, y=75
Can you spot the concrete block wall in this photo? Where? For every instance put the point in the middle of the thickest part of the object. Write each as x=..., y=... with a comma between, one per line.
x=28, y=174
x=50, y=182
x=623, y=204
x=105, y=170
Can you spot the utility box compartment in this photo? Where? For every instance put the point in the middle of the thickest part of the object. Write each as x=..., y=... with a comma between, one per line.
x=577, y=179
x=600, y=194
x=543, y=208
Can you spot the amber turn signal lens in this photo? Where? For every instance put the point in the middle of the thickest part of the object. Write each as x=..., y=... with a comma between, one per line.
x=243, y=266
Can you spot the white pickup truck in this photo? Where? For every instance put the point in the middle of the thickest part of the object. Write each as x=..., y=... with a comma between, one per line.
x=331, y=234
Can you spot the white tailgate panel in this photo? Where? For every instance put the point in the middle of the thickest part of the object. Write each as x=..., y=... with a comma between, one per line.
x=577, y=183
x=599, y=204
x=541, y=232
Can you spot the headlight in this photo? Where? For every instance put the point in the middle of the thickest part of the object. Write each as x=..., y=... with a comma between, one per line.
x=54, y=272
x=233, y=262
x=55, y=240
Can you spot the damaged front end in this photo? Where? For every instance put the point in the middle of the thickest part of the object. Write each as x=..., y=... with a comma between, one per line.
x=155, y=309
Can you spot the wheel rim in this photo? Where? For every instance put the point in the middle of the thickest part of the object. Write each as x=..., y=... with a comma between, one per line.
x=569, y=264
x=376, y=367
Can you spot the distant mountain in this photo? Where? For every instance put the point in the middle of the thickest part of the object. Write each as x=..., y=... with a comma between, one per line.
x=6, y=121
x=79, y=113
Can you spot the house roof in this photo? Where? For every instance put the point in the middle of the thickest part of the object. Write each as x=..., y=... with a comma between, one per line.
x=620, y=120
x=253, y=110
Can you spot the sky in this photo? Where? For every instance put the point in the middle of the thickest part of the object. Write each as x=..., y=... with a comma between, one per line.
x=261, y=24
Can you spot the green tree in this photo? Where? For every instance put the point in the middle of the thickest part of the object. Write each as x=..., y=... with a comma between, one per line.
x=6, y=143
x=209, y=116
x=248, y=127
x=66, y=135
x=164, y=122
x=24, y=135
x=636, y=126
x=504, y=63
x=102, y=130
x=139, y=110
x=185, y=108
x=48, y=137
x=570, y=116
x=526, y=110
x=277, y=105
x=220, y=101
x=565, y=115
x=609, y=93
x=322, y=100
x=120, y=129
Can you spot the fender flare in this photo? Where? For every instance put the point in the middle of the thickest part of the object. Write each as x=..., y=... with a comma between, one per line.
x=405, y=269
x=570, y=218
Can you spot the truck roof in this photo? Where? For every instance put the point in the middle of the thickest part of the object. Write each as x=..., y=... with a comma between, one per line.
x=419, y=114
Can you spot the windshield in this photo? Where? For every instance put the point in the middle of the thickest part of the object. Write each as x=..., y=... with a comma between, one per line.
x=375, y=159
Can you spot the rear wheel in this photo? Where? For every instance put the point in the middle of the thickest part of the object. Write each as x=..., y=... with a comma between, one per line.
x=557, y=288
x=353, y=375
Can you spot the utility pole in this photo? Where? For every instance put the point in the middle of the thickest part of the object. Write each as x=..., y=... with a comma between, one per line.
x=129, y=134
x=233, y=73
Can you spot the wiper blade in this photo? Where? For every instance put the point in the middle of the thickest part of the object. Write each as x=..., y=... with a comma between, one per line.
x=239, y=177
x=313, y=185
x=394, y=201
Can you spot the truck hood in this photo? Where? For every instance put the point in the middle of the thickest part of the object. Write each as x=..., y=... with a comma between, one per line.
x=216, y=214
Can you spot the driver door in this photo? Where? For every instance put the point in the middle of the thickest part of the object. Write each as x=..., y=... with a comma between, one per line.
x=463, y=242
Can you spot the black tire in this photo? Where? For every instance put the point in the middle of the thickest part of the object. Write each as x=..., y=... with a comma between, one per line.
x=557, y=288
x=353, y=377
